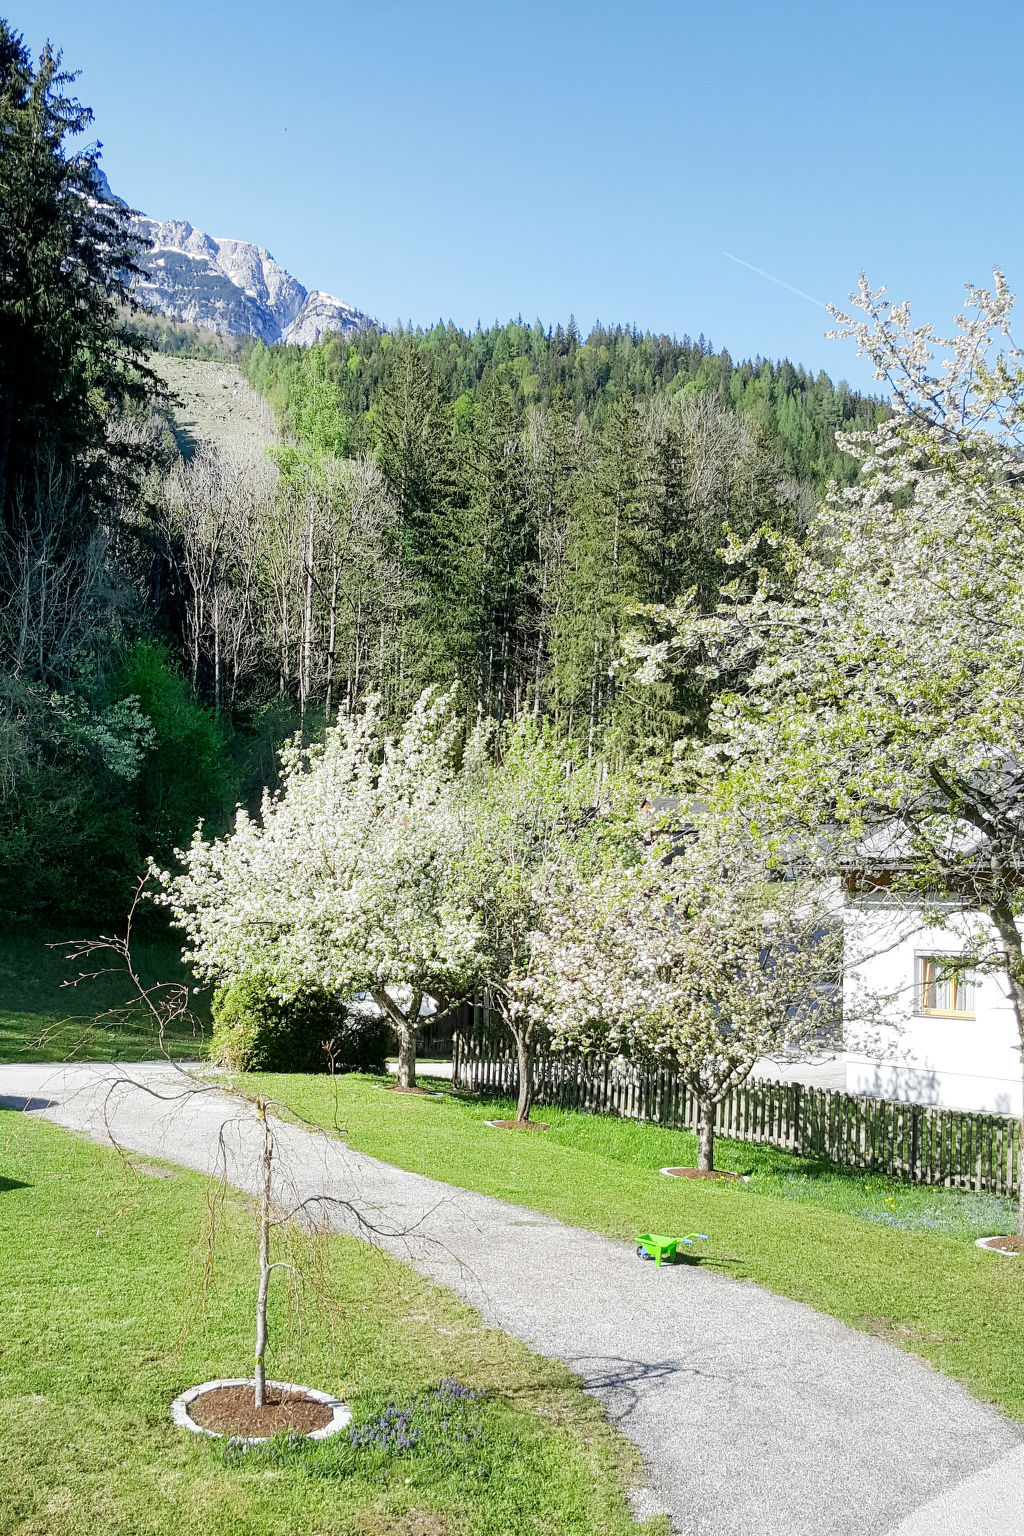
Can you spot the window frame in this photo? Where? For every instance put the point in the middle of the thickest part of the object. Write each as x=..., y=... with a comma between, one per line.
x=959, y=983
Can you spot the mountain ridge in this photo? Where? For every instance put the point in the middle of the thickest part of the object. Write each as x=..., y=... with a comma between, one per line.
x=233, y=287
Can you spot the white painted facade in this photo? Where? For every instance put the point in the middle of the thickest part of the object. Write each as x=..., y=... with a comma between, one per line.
x=967, y=1061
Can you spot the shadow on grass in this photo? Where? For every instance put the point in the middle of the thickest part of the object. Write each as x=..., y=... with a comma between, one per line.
x=709, y=1261
x=616, y=1377
x=6, y=1184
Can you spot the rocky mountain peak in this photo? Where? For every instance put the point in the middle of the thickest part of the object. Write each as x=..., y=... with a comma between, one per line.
x=231, y=286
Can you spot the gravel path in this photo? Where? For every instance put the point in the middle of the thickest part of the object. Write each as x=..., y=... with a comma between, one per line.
x=756, y=1416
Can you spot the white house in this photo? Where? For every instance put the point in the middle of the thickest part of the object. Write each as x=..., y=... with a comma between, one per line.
x=939, y=1036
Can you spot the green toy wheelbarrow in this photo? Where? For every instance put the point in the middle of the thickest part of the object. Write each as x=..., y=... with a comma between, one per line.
x=650, y=1245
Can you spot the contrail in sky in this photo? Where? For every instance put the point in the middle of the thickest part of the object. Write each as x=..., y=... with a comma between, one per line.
x=798, y=291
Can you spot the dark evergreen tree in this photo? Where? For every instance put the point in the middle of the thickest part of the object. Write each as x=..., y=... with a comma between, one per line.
x=504, y=546
x=555, y=443
x=412, y=430
x=68, y=361
x=611, y=563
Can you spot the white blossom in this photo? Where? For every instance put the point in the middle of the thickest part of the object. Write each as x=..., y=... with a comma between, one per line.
x=882, y=693
x=694, y=955
x=346, y=879
x=530, y=808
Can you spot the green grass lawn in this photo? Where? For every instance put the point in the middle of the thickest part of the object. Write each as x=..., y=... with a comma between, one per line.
x=106, y=1319
x=44, y=1018
x=895, y=1260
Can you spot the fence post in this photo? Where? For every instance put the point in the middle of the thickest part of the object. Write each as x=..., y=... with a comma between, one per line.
x=797, y=1107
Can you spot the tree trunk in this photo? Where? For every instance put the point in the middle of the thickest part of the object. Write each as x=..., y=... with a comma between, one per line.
x=706, y=1135
x=332, y=635
x=406, y=1028
x=286, y=641
x=593, y=701
x=524, y=1059
x=264, y=1286
x=216, y=651
x=406, y=1055
x=306, y=661
x=1013, y=952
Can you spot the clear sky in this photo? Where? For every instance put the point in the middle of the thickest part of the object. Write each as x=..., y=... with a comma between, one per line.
x=426, y=158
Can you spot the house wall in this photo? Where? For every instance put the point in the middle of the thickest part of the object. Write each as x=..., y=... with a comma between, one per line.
x=958, y=1063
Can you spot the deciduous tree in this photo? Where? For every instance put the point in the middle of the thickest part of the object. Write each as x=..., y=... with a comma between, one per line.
x=694, y=954
x=531, y=808
x=347, y=881
x=880, y=669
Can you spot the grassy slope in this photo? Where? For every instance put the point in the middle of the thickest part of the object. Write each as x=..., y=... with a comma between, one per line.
x=101, y=1272
x=214, y=401
x=43, y=1018
x=896, y=1261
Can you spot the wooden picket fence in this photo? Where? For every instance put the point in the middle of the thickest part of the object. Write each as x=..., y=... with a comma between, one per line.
x=917, y=1142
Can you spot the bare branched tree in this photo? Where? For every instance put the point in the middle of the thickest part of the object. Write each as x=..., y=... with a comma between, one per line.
x=217, y=510
x=248, y=1150
x=55, y=586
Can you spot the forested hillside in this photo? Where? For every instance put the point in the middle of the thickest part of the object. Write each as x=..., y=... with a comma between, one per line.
x=535, y=488
x=488, y=510
x=796, y=413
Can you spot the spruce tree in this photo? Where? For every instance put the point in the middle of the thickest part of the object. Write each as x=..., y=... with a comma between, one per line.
x=502, y=531
x=612, y=563
x=555, y=444
x=416, y=450
x=68, y=360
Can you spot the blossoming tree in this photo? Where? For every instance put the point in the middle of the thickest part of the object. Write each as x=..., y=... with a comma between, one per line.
x=882, y=689
x=696, y=955
x=530, y=808
x=346, y=880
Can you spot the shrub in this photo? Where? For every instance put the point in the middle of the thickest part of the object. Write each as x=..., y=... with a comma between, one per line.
x=253, y=1031
x=187, y=773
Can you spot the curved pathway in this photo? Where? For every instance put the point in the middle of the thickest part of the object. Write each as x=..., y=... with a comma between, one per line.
x=756, y=1416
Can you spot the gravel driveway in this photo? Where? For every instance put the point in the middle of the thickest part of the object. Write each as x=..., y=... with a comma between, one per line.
x=756, y=1416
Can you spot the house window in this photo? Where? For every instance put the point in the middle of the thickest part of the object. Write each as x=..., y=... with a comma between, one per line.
x=942, y=989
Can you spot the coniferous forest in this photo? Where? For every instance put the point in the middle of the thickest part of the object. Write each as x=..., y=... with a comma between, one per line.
x=489, y=509
x=535, y=489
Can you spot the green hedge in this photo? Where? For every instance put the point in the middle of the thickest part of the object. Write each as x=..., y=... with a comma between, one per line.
x=253, y=1031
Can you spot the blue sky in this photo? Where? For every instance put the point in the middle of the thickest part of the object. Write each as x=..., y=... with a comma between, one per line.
x=542, y=157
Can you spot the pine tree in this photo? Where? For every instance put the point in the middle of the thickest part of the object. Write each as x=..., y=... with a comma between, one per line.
x=555, y=440
x=502, y=528
x=68, y=361
x=416, y=451
x=612, y=561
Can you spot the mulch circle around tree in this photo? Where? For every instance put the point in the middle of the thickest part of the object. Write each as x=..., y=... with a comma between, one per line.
x=1012, y=1247
x=227, y=1407
x=231, y=1411
x=699, y=1173
x=518, y=1125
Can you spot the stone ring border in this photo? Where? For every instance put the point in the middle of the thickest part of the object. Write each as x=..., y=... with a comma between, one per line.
x=740, y=1178
x=342, y=1415
x=986, y=1243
